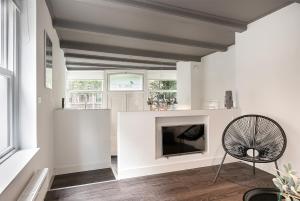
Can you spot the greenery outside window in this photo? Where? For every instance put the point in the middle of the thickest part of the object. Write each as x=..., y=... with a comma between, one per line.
x=162, y=89
x=85, y=94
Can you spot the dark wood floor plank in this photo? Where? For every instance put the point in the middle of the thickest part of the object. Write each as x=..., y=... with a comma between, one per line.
x=80, y=178
x=188, y=185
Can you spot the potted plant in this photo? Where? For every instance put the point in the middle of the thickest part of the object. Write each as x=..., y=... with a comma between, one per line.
x=288, y=183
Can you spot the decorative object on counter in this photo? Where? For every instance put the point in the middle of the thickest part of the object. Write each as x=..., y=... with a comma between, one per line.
x=228, y=99
x=288, y=183
x=161, y=104
x=150, y=102
x=255, y=139
x=63, y=103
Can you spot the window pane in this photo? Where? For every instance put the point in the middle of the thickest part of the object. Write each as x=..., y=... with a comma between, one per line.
x=85, y=94
x=162, y=89
x=11, y=37
x=85, y=100
x=126, y=82
x=162, y=95
x=168, y=84
x=154, y=85
x=4, y=134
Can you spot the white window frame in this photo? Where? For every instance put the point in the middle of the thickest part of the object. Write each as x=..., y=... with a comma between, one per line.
x=10, y=71
x=121, y=73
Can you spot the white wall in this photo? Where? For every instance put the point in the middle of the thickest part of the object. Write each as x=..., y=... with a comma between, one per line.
x=81, y=140
x=162, y=74
x=36, y=121
x=268, y=73
x=27, y=73
x=200, y=83
x=85, y=75
x=218, y=76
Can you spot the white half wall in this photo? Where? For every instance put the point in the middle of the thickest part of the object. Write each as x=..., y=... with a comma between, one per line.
x=81, y=140
x=137, y=141
x=268, y=74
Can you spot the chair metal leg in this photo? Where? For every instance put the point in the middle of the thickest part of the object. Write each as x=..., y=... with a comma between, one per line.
x=276, y=165
x=217, y=175
x=254, y=162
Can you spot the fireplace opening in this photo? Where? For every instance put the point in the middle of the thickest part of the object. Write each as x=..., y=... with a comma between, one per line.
x=183, y=139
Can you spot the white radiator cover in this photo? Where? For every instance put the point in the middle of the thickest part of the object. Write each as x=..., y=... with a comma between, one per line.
x=33, y=189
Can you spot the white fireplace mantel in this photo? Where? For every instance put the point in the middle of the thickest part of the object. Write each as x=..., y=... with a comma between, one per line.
x=138, y=134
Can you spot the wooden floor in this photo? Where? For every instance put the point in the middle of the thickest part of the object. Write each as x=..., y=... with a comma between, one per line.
x=80, y=178
x=189, y=185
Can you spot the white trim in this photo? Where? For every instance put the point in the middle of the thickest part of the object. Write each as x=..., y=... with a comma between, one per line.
x=178, y=166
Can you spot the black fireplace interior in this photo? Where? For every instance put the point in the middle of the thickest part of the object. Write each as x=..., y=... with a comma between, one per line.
x=183, y=139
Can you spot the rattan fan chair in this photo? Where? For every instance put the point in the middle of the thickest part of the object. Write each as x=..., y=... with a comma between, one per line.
x=253, y=138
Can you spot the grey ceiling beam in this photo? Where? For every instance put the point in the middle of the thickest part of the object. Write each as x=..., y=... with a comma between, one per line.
x=117, y=59
x=82, y=64
x=71, y=25
x=103, y=68
x=233, y=24
x=74, y=45
x=88, y=68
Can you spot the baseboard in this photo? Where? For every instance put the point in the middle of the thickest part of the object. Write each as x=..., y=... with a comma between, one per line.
x=171, y=167
x=79, y=168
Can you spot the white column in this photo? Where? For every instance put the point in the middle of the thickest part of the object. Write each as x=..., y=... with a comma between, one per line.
x=189, y=85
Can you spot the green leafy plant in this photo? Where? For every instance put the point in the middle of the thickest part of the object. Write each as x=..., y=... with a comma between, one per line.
x=288, y=183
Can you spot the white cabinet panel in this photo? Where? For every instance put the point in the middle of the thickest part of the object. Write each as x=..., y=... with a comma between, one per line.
x=122, y=102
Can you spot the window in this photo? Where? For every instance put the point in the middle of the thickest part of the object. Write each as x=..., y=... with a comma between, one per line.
x=8, y=77
x=126, y=82
x=162, y=89
x=85, y=94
